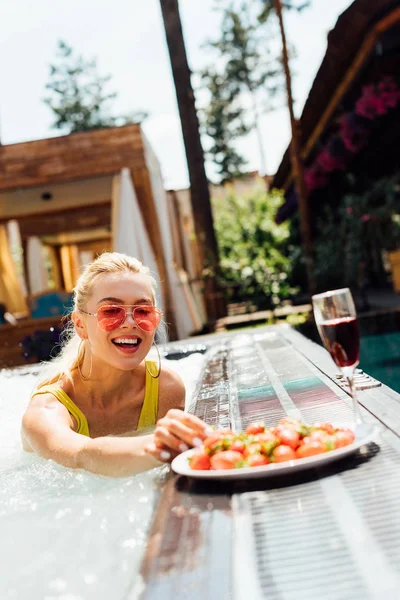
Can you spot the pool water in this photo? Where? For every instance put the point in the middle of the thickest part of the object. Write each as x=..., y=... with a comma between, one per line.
x=68, y=534
x=380, y=357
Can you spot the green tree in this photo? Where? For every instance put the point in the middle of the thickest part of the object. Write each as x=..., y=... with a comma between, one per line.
x=223, y=123
x=78, y=98
x=251, y=72
x=252, y=248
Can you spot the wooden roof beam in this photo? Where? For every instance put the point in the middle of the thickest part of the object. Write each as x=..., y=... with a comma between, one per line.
x=63, y=221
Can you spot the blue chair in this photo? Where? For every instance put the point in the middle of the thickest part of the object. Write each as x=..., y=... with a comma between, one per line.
x=50, y=303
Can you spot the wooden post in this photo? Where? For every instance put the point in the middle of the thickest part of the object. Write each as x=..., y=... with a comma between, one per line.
x=199, y=190
x=297, y=161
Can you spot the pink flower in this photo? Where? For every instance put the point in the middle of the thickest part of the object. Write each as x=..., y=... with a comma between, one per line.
x=328, y=162
x=365, y=218
x=349, y=210
x=315, y=178
x=390, y=92
x=352, y=132
x=371, y=107
x=377, y=99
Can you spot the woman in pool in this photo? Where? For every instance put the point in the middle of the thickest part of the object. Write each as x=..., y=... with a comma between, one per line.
x=102, y=385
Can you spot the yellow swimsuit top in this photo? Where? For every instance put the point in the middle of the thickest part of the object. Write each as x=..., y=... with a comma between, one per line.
x=148, y=414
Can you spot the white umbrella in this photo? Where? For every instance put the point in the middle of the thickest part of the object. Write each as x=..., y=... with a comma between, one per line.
x=187, y=316
x=128, y=227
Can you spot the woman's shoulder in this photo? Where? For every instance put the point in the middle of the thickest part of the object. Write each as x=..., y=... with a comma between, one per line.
x=170, y=377
x=171, y=390
x=47, y=395
x=53, y=388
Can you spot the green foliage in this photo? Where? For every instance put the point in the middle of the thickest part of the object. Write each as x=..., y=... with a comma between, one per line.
x=244, y=45
x=243, y=83
x=78, y=99
x=351, y=238
x=297, y=319
x=252, y=247
x=223, y=123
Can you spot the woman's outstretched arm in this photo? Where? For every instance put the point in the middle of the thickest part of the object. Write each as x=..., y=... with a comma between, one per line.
x=47, y=429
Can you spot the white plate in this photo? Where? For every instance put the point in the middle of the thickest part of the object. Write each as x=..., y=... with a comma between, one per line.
x=364, y=433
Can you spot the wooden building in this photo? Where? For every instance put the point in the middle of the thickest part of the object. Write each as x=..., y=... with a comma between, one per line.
x=62, y=191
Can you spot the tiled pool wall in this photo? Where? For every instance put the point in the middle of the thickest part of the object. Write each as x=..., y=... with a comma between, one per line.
x=380, y=357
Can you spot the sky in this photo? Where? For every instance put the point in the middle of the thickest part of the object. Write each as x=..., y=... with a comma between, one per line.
x=127, y=38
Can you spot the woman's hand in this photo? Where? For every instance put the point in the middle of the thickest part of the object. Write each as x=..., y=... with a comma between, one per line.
x=175, y=433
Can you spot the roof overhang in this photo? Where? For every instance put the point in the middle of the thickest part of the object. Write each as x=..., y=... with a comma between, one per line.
x=72, y=157
x=350, y=44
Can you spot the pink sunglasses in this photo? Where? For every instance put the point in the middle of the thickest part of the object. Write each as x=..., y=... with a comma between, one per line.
x=110, y=316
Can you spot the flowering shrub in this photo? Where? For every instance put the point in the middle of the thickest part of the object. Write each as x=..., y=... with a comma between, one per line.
x=333, y=156
x=354, y=130
x=350, y=240
x=352, y=135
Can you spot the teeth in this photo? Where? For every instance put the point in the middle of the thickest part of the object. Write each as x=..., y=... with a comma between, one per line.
x=126, y=341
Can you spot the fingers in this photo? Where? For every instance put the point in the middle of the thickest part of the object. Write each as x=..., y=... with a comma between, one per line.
x=181, y=431
x=189, y=420
x=164, y=436
x=178, y=431
x=161, y=454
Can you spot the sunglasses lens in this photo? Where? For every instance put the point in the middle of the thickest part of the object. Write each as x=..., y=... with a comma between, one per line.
x=110, y=317
x=147, y=317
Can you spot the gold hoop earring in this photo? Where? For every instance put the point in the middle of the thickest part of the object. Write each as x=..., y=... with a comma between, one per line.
x=80, y=361
x=159, y=364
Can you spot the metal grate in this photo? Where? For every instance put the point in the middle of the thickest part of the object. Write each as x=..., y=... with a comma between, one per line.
x=296, y=553
x=272, y=380
x=375, y=491
x=330, y=533
x=329, y=538
x=309, y=393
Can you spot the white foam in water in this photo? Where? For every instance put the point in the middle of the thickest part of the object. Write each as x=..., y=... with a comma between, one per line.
x=68, y=534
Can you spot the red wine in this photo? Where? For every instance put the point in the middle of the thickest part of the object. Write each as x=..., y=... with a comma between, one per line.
x=341, y=339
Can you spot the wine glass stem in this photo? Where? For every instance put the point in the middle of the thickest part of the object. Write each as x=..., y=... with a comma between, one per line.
x=353, y=394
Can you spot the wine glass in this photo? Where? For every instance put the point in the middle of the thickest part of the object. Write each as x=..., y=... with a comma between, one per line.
x=336, y=319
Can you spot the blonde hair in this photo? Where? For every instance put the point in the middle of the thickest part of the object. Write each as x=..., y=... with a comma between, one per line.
x=108, y=263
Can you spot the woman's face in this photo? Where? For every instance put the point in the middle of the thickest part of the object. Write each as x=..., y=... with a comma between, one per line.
x=125, y=347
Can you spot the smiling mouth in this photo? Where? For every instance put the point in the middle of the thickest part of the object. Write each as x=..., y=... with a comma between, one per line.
x=127, y=344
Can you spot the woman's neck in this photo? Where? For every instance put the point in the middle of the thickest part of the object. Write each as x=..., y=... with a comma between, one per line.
x=107, y=386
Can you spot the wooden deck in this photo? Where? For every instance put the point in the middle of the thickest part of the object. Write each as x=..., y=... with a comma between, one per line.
x=246, y=319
